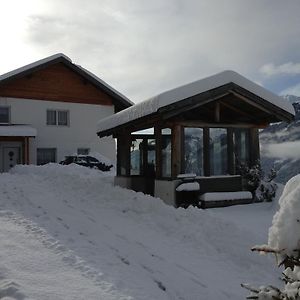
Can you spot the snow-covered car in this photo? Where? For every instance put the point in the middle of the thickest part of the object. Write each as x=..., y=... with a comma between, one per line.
x=86, y=161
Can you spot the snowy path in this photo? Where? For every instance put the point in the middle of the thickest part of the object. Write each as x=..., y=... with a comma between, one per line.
x=122, y=243
x=34, y=266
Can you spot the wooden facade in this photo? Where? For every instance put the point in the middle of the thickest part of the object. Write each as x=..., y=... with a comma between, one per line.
x=56, y=78
x=55, y=83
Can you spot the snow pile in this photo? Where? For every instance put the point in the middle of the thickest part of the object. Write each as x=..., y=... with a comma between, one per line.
x=284, y=234
x=67, y=232
x=221, y=196
x=284, y=241
x=188, y=186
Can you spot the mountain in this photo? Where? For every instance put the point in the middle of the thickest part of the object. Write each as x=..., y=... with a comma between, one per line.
x=280, y=145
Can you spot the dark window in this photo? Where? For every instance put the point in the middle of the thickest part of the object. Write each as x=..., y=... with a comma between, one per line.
x=57, y=117
x=83, y=151
x=241, y=147
x=218, y=151
x=4, y=114
x=62, y=117
x=136, y=157
x=51, y=117
x=166, y=153
x=193, y=150
x=46, y=155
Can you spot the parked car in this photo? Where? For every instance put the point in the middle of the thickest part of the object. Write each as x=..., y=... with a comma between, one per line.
x=86, y=161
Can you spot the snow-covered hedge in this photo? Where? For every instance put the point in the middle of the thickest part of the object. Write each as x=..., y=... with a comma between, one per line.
x=284, y=241
x=284, y=234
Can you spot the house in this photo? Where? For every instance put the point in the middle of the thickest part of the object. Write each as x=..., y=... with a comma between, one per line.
x=48, y=109
x=197, y=136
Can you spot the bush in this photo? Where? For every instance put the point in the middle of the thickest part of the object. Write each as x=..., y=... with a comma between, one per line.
x=284, y=242
x=262, y=186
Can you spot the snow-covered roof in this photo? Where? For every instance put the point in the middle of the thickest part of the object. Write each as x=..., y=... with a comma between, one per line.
x=152, y=105
x=105, y=84
x=17, y=130
x=60, y=57
x=33, y=65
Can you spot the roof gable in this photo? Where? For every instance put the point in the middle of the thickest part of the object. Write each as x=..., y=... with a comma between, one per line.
x=119, y=100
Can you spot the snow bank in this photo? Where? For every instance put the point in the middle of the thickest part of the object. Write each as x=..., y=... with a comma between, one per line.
x=221, y=196
x=143, y=248
x=284, y=234
x=188, y=186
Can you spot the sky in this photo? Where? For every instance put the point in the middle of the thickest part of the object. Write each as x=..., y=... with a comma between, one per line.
x=143, y=48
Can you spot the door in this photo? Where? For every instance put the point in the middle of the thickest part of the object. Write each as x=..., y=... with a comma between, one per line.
x=11, y=157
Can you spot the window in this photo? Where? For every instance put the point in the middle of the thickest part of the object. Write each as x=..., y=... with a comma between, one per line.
x=62, y=118
x=241, y=147
x=83, y=151
x=4, y=114
x=218, y=151
x=58, y=117
x=193, y=150
x=136, y=157
x=166, y=152
x=46, y=155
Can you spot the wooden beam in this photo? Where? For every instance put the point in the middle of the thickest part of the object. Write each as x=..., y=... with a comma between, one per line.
x=177, y=135
x=274, y=111
x=236, y=110
x=230, y=151
x=195, y=123
x=206, y=152
x=251, y=102
x=158, y=149
x=26, y=151
x=194, y=102
x=254, y=146
x=217, y=112
x=123, y=153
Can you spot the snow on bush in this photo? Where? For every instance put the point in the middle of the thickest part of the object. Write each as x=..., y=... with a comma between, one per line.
x=284, y=234
x=284, y=241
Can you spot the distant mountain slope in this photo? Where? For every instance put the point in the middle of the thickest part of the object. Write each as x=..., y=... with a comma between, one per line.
x=280, y=145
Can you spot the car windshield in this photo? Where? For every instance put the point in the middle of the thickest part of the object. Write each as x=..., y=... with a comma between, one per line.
x=93, y=160
x=81, y=160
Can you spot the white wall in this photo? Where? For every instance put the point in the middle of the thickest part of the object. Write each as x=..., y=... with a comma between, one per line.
x=80, y=134
x=166, y=190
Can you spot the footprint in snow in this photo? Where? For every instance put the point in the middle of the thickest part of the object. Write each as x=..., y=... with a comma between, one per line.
x=10, y=290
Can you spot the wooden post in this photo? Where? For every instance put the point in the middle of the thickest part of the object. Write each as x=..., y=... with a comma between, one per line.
x=26, y=150
x=123, y=153
x=158, y=147
x=254, y=146
x=177, y=134
x=206, y=151
x=217, y=112
x=230, y=151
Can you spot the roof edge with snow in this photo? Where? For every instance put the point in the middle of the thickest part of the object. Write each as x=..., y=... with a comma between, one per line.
x=152, y=105
x=122, y=100
x=18, y=130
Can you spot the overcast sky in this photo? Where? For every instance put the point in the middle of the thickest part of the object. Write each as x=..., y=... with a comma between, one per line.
x=144, y=47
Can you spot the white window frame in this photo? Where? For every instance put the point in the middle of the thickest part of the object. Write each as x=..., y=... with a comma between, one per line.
x=56, y=117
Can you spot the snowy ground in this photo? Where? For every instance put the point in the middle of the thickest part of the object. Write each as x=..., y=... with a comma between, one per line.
x=67, y=233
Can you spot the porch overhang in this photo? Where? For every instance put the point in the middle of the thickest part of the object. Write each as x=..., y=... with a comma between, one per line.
x=17, y=131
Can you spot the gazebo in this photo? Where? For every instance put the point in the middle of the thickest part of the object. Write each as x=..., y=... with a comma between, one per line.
x=200, y=132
